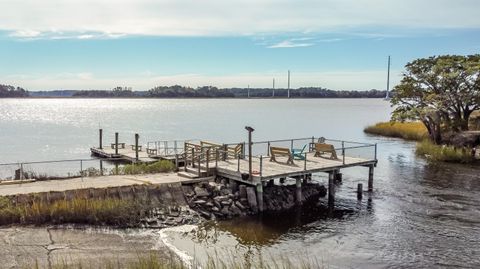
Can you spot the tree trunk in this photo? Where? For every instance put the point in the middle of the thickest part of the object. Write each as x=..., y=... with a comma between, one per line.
x=434, y=129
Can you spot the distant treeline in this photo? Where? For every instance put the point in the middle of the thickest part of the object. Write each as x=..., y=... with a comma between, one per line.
x=11, y=91
x=178, y=91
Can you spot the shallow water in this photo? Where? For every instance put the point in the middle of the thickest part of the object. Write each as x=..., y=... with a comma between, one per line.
x=419, y=215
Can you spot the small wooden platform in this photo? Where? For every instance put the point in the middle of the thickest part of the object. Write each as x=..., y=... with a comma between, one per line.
x=271, y=170
x=126, y=154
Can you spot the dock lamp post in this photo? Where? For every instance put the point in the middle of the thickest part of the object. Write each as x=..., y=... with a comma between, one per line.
x=250, y=130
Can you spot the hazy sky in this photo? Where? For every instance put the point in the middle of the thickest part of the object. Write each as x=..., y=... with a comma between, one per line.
x=339, y=44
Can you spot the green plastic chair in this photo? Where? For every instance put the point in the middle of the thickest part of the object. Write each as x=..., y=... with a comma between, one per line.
x=298, y=153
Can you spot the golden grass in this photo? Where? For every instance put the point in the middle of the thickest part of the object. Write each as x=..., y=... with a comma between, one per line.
x=78, y=210
x=152, y=261
x=406, y=130
x=443, y=153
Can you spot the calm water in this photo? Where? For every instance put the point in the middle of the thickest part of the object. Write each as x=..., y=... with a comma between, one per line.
x=420, y=215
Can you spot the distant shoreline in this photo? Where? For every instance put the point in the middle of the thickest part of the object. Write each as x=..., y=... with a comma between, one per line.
x=143, y=97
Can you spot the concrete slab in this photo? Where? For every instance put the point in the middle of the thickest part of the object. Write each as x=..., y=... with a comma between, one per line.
x=23, y=247
x=90, y=182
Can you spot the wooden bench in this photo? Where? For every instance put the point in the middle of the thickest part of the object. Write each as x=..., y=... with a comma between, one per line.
x=278, y=151
x=139, y=147
x=120, y=145
x=151, y=151
x=322, y=148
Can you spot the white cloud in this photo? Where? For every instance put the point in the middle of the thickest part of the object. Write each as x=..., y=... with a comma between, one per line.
x=289, y=44
x=26, y=34
x=32, y=18
x=335, y=80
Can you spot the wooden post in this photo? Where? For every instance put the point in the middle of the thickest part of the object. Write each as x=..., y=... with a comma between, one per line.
x=225, y=152
x=338, y=176
x=136, y=146
x=260, y=196
x=250, y=130
x=176, y=163
x=216, y=157
x=100, y=138
x=298, y=191
x=243, y=150
x=101, y=167
x=359, y=191
x=207, y=159
x=193, y=157
x=116, y=143
x=199, y=164
x=331, y=189
x=343, y=152
x=238, y=163
x=370, y=178
x=291, y=144
x=305, y=162
x=261, y=166
x=268, y=148
x=21, y=172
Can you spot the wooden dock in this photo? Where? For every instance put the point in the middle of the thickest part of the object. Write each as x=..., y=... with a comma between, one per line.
x=126, y=154
x=253, y=165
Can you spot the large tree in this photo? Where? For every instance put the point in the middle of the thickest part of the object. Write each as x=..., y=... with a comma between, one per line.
x=440, y=91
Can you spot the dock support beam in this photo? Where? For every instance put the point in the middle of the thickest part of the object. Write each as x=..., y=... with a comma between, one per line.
x=116, y=143
x=100, y=138
x=136, y=146
x=359, y=191
x=338, y=176
x=331, y=188
x=370, y=178
x=298, y=191
x=260, y=196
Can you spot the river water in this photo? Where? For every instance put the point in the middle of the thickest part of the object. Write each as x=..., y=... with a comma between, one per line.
x=420, y=215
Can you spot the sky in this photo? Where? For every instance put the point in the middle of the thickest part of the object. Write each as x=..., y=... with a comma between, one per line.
x=336, y=44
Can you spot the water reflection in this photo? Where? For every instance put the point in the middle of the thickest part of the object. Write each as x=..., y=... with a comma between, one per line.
x=267, y=229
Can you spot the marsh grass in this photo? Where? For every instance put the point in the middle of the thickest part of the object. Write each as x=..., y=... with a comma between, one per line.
x=443, y=153
x=406, y=130
x=162, y=166
x=110, y=211
x=231, y=261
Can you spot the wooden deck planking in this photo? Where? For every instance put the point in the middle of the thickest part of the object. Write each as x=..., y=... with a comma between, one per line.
x=278, y=169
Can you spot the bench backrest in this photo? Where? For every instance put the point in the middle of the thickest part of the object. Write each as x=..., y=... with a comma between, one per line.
x=324, y=147
x=280, y=151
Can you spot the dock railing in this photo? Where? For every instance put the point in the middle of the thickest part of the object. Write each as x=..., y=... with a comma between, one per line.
x=167, y=148
x=62, y=169
x=344, y=149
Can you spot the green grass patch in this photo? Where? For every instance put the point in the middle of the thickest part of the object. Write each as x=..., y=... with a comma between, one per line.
x=444, y=153
x=109, y=211
x=406, y=130
x=162, y=166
